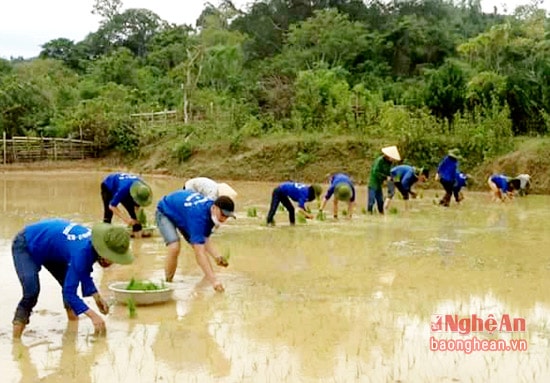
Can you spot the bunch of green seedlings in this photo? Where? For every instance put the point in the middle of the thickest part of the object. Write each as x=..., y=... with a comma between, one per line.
x=143, y=285
x=321, y=216
x=301, y=218
x=252, y=212
x=142, y=217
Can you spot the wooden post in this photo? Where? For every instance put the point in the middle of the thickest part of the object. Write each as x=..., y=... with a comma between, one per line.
x=4, y=146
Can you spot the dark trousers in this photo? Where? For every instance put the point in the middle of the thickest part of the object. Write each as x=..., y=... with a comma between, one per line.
x=448, y=186
x=27, y=271
x=279, y=197
x=107, y=196
x=375, y=195
x=456, y=193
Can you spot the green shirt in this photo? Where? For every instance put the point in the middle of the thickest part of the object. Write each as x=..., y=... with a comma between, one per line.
x=379, y=172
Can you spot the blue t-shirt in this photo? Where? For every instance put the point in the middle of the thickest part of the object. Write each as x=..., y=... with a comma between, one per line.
x=501, y=181
x=297, y=192
x=119, y=185
x=404, y=174
x=448, y=169
x=190, y=212
x=461, y=179
x=335, y=180
x=61, y=241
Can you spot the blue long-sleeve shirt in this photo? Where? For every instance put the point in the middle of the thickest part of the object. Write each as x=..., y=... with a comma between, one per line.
x=337, y=179
x=405, y=175
x=297, y=192
x=190, y=213
x=119, y=185
x=448, y=169
x=61, y=241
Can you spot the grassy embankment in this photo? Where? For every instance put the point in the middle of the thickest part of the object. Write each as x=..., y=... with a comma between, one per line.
x=307, y=159
x=311, y=159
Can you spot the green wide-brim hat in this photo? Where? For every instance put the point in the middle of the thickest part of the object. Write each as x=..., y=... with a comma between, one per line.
x=455, y=153
x=141, y=193
x=317, y=189
x=343, y=191
x=112, y=243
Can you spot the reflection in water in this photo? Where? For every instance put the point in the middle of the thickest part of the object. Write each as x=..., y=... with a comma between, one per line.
x=71, y=360
x=324, y=301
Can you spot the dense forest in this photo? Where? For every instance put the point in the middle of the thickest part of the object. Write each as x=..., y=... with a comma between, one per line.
x=428, y=73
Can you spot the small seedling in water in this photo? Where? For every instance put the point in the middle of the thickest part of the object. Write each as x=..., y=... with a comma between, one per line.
x=393, y=210
x=321, y=216
x=301, y=218
x=363, y=210
x=344, y=212
x=132, y=311
x=252, y=212
x=281, y=208
x=436, y=195
x=226, y=255
x=142, y=217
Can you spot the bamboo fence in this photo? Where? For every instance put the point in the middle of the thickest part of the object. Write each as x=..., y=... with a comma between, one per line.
x=28, y=149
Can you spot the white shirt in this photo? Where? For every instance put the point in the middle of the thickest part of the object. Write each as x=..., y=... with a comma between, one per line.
x=205, y=186
x=523, y=180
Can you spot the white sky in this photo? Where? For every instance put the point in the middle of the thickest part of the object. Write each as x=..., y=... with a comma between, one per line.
x=27, y=24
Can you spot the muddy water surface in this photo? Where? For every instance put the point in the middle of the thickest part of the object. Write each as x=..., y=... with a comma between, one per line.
x=336, y=301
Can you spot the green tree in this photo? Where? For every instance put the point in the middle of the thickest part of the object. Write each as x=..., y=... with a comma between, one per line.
x=446, y=90
x=322, y=99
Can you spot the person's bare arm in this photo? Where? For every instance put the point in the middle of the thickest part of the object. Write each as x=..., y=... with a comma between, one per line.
x=305, y=213
x=97, y=321
x=128, y=220
x=351, y=206
x=215, y=254
x=204, y=263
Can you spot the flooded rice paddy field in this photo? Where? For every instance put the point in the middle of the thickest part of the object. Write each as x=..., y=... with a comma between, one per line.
x=335, y=301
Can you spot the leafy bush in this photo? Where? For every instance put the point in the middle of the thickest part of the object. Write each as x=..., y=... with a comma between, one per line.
x=183, y=151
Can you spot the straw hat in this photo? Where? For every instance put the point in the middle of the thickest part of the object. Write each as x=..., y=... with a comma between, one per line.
x=392, y=152
x=226, y=190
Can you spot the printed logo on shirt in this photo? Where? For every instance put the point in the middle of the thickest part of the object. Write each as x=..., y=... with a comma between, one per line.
x=75, y=237
x=126, y=176
x=195, y=199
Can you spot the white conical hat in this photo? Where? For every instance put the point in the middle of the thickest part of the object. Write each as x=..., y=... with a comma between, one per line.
x=225, y=189
x=392, y=152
